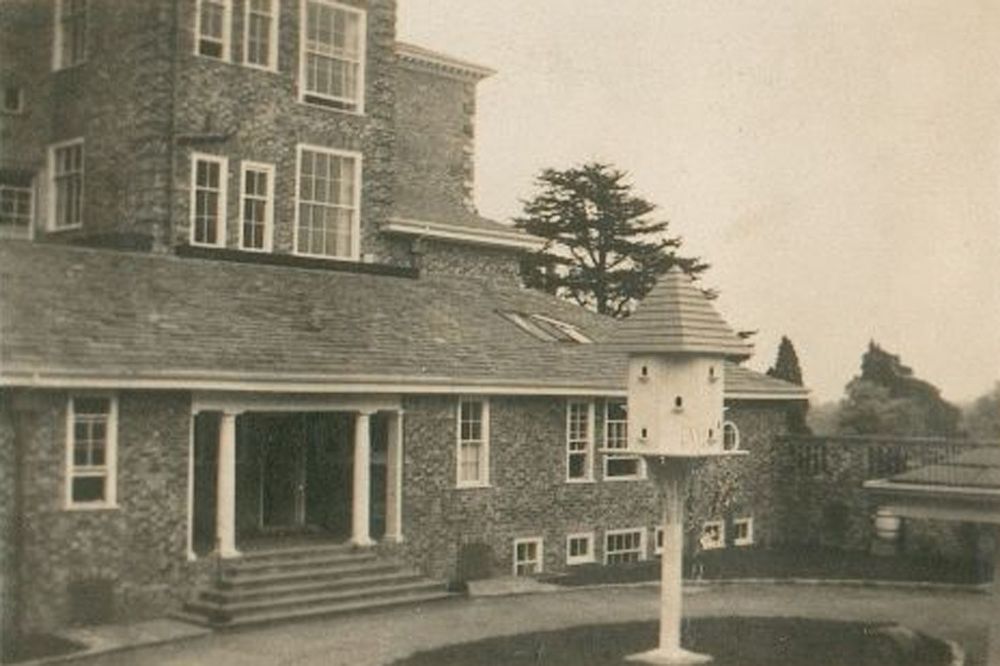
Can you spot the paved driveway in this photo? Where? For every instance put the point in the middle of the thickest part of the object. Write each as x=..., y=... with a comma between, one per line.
x=381, y=638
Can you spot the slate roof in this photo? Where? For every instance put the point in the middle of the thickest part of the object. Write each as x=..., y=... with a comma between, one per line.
x=677, y=317
x=76, y=312
x=976, y=468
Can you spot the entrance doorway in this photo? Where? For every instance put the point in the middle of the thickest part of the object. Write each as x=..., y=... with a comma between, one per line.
x=294, y=476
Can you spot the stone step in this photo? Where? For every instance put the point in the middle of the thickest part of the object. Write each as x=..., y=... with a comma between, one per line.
x=300, y=551
x=329, y=610
x=245, y=567
x=268, y=578
x=230, y=611
x=238, y=594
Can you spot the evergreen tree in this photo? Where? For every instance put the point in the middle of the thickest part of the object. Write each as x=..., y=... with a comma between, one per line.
x=886, y=398
x=786, y=365
x=603, y=249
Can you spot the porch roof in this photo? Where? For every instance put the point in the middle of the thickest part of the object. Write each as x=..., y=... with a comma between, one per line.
x=87, y=317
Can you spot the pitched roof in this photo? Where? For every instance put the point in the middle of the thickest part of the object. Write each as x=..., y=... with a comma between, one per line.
x=975, y=468
x=143, y=320
x=676, y=317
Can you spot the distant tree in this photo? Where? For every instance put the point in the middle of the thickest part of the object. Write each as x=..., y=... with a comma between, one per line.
x=603, y=248
x=786, y=365
x=982, y=418
x=886, y=398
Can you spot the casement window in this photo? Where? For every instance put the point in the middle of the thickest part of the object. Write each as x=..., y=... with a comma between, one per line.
x=70, y=41
x=333, y=55
x=713, y=535
x=260, y=34
x=66, y=185
x=730, y=436
x=618, y=467
x=328, y=204
x=743, y=532
x=624, y=546
x=579, y=440
x=473, y=443
x=16, y=210
x=658, y=541
x=256, y=206
x=13, y=99
x=91, y=452
x=528, y=558
x=213, y=23
x=580, y=548
x=209, y=174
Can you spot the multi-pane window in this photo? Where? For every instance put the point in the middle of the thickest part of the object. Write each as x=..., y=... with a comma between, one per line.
x=743, y=532
x=580, y=548
x=260, y=38
x=256, y=206
x=713, y=535
x=328, y=191
x=473, y=443
x=213, y=20
x=208, y=199
x=579, y=441
x=15, y=211
x=71, y=33
x=66, y=174
x=527, y=557
x=91, y=455
x=333, y=55
x=624, y=546
x=616, y=438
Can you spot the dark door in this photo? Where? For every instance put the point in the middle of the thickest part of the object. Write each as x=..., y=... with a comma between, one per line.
x=283, y=478
x=206, y=453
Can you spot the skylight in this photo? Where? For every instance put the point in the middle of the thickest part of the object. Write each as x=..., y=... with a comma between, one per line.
x=546, y=329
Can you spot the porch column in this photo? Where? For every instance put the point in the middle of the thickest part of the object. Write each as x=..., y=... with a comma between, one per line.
x=394, y=482
x=362, y=479
x=225, y=488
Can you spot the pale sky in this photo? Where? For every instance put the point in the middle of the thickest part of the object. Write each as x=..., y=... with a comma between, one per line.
x=836, y=162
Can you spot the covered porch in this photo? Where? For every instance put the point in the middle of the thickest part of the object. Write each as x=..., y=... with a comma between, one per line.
x=267, y=471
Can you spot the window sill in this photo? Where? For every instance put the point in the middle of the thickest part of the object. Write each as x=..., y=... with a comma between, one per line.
x=743, y=544
x=579, y=482
x=66, y=68
x=217, y=246
x=473, y=486
x=56, y=230
x=75, y=508
x=327, y=257
x=359, y=112
x=617, y=479
x=577, y=563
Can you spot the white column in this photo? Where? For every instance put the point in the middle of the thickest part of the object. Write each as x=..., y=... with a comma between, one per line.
x=225, y=488
x=394, y=482
x=362, y=479
x=671, y=475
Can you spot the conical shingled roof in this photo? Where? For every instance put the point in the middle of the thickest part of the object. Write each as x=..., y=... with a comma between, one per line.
x=676, y=317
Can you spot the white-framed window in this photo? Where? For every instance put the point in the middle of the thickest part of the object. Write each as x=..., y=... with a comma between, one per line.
x=618, y=467
x=70, y=43
x=743, y=531
x=209, y=177
x=628, y=545
x=260, y=34
x=332, y=57
x=528, y=556
x=730, y=436
x=16, y=210
x=328, y=203
x=213, y=26
x=473, y=452
x=91, y=451
x=713, y=535
x=579, y=440
x=658, y=541
x=66, y=185
x=256, y=206
x=580, y=548
x=13, y=99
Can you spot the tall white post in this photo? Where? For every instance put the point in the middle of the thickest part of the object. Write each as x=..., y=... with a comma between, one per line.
x=362, y=480
x=672, y=476
x=394, y=483
x=225, y=488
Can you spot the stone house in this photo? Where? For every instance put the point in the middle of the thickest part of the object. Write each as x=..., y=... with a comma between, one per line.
x=247, y=304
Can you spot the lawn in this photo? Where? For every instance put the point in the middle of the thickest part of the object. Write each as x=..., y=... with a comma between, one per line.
x=731, y=641
x=37, y=646
x=818, y=563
